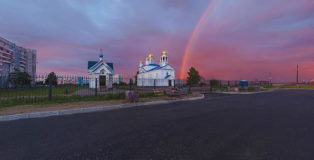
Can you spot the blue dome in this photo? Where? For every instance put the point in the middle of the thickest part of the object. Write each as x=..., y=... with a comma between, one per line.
x=101, y=55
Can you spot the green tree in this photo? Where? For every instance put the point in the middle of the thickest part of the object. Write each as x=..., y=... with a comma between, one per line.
x=19, y=78
x=136, y=77
x=53, y=77
x=194, y=77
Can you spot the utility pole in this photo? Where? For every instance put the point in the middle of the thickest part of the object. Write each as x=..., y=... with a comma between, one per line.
x=297, y=73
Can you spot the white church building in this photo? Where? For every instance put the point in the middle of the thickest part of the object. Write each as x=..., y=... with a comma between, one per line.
x=100, y=73
x=159, y=75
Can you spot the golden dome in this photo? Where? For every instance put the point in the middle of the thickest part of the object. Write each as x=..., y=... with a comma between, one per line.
x=147, y=58
x=164, y=53
x=150, y=55
x=141, y=61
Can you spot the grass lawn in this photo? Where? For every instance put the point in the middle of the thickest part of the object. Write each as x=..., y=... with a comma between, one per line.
x=59, y=99
x=298, y=86
x=40, y=92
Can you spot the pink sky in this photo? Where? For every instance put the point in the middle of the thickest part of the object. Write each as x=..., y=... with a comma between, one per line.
x=239, y=39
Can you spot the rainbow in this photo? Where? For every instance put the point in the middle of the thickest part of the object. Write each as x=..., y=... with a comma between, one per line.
x=194, y=35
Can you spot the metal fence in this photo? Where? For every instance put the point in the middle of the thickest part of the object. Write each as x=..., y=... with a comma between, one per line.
x=42, y=89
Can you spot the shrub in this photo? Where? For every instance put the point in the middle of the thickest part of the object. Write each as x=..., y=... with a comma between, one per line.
x=19, y=78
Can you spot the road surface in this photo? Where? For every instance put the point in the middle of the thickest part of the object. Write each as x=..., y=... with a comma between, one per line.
x=275, y=125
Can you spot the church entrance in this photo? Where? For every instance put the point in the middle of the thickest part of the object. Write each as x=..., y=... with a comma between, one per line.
x=102, y=83
x=169, y=83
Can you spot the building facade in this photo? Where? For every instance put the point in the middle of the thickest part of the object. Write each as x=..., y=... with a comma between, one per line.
x=101, y=74
x=117, y=78
x=159, y=75
x=16, y=58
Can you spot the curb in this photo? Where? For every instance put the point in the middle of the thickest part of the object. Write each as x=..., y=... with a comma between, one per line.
x=88, y=110
x=247, y=93
x=309, y=89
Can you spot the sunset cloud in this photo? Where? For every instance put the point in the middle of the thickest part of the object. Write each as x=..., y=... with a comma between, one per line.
x=241, y=39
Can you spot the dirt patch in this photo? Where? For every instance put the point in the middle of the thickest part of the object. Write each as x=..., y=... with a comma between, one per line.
x=75, y=105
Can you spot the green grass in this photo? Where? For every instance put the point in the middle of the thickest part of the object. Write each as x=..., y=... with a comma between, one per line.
x=147, y=95
x=297, y=86
x=67, y=99
x=60, y=99
x=24, y=92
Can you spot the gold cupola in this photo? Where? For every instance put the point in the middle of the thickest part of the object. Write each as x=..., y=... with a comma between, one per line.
x=164, y=53
x=150, y=55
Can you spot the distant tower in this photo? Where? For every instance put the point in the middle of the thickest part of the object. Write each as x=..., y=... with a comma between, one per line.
x=164, y=58
x=141, y=64
x=151, y=58
x=147, y=61
x=101, y=55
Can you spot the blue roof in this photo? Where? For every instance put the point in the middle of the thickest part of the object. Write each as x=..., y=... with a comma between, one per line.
x=158, y=67
x=110, y=65
x=154, y=65
x=92, y=63
x=167, y=76
x=101, y=55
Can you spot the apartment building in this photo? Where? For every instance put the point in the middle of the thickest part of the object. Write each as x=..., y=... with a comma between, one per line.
x=14, y=57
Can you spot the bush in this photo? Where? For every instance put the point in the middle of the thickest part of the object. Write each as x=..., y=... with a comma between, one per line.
x=19, y=78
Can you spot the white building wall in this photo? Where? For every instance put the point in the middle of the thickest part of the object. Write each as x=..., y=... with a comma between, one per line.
x=156, y=78
x=117, y=78
x=92, y=82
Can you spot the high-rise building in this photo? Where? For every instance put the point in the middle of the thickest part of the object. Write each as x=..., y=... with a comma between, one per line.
x=16, y=58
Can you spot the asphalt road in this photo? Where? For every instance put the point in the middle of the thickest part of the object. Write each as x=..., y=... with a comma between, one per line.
x=267, y=126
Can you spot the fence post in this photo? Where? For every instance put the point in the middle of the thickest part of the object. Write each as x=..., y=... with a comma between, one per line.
x=154, y=83
x=96, y=87
x=50, y=89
